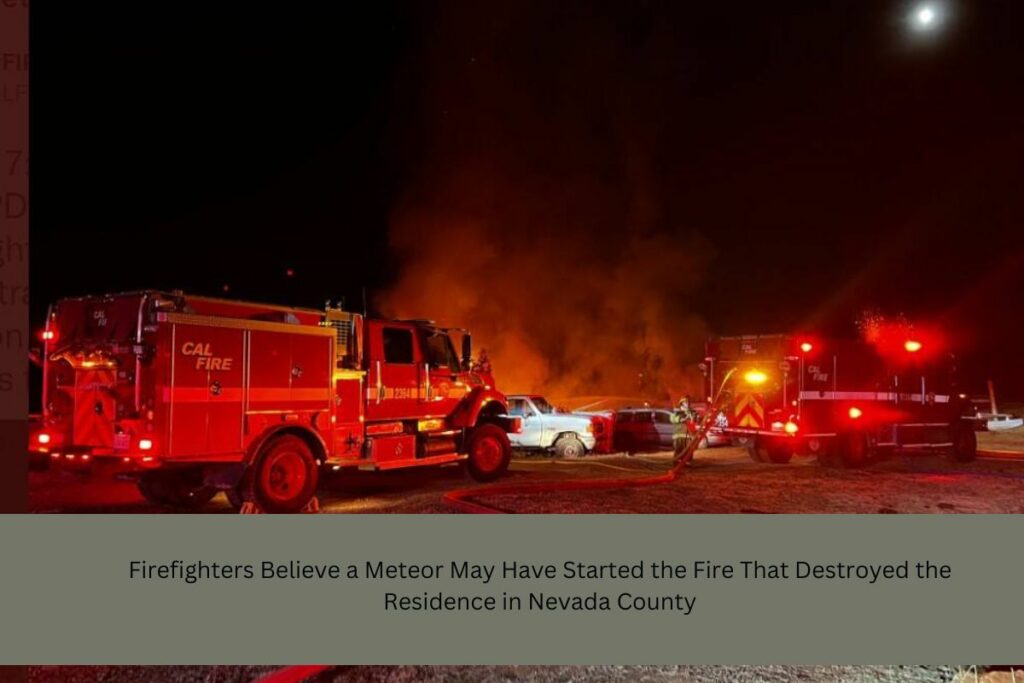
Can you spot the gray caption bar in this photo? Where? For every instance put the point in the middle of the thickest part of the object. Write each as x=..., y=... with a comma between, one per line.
x=69, y=595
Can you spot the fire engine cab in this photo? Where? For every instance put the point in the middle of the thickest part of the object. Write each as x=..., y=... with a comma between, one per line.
x=841, y=400
x=198, y=394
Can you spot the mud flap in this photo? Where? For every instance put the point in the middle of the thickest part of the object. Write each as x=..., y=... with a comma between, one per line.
x=251, y=507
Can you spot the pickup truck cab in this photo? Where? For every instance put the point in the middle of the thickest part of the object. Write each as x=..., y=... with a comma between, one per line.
x=568, y=434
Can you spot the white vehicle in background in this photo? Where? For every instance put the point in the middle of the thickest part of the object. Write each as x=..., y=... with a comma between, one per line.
x=544, y=428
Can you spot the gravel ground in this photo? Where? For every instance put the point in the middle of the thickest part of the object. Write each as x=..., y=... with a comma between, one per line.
x=494, y=674
x=725, y=481
x=146, y=674
x=645, y=674
x=721, y=480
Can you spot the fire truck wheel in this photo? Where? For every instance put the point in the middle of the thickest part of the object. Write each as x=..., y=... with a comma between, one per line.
x=285, y=475
x=568, y=446
x=965, y=444
x=489, y=452
x=778, y=453
x=856, y=449
x=183, y=489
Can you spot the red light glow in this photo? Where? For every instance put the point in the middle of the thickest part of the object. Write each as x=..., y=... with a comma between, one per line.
x=806, y=347
x=792, y=427
x=43, y=437
x=145, y=444
x=855, y=413
x=912, y=345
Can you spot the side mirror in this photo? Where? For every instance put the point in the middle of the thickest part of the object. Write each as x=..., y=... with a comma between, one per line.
x=467, y=350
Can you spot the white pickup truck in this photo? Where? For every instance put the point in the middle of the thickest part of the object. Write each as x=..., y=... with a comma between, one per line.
x=544, y=428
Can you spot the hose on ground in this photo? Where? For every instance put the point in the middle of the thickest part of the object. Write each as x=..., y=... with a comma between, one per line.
x=467, y=500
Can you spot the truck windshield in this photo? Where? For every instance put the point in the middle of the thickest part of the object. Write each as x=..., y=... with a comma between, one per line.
x=542, y=405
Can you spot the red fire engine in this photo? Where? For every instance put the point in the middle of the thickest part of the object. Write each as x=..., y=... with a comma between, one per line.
x=841, y=400
x=199, y=394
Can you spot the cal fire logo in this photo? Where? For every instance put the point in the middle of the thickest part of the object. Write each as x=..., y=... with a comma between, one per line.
x=205, y=360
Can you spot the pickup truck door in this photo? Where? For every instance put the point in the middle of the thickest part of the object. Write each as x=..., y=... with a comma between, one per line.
x=533, y=427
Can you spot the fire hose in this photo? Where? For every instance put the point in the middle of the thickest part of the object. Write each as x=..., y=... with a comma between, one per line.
x=464, y=499
x=292, y=674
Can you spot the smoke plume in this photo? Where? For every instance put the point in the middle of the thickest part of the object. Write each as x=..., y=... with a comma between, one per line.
x=536, y=216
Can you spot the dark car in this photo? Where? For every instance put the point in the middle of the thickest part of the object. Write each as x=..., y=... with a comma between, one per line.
x=650, y=429
x=643, y=429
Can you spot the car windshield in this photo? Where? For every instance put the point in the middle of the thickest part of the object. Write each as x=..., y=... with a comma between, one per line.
x=542, y=405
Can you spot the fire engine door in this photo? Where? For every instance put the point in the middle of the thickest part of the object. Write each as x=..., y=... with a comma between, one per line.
x=392, y=392
x=206, y=391
x=441, y=391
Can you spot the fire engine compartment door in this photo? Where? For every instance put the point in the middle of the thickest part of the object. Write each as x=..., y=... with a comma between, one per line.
x=394, y=373
x=206, y=391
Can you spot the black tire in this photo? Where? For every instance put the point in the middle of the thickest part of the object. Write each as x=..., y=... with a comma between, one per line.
x=965, y=444
x=855, y=449
x=827, y=453
x=179, y=489
x=780, y=453
x=775, y=453
x=284, y=477
x=569, y=446
x=489, y=452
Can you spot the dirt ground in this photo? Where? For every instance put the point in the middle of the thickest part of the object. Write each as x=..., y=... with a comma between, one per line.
x=494, y=674
x=1012, y=440
x=720, y=480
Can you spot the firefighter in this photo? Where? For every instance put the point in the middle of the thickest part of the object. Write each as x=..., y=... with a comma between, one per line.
x=683, y=418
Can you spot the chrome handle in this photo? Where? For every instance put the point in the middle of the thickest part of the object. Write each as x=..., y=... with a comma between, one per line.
x=426, y=375
x=380, y=384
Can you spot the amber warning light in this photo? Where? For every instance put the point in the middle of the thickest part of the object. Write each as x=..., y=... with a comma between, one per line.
x=755, y=377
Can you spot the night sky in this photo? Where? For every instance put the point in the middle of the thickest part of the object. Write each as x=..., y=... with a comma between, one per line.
x=807, y=159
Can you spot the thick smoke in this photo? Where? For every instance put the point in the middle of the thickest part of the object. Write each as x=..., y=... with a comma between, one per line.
x=536, y=217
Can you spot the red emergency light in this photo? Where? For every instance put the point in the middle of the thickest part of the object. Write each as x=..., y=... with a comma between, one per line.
x=855, y=413
x=48, y=335
x=806, y=347
x=912, y=345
